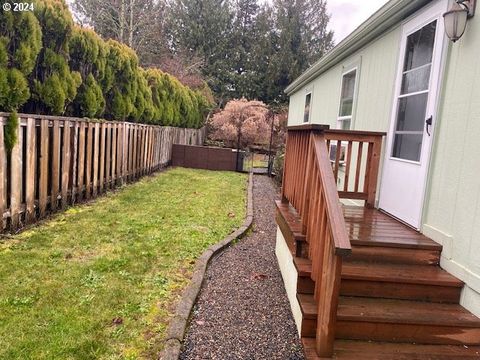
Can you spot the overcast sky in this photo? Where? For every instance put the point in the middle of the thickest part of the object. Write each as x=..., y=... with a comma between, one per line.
x=347, y=15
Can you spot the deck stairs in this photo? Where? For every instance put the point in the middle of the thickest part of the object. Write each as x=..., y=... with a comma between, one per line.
x=396, y=302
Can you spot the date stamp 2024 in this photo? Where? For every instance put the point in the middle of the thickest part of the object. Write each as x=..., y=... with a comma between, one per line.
x=18, y=7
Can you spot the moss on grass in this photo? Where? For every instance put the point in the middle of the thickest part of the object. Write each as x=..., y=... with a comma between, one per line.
x=99, y=281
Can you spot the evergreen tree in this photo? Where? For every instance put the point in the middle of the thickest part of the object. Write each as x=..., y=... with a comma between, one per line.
x=263, y=51
x=204, y=28
x=54, y=85
x=88, y=56
x=243, y=42
x=20, y=44
x=301, y=38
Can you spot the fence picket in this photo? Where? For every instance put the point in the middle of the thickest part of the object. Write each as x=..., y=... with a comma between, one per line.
x=88, y=165
x=114, y=155
x=55, y=164
x=119, y=153
x=16, y=180
x=107, y=156
x=130, y=152
x=96, y=158
x=135, y=145
x=30, y=172
x=3, y=177
x=74, y=164
x=81, y=160
x=65, y=162
x=43, y=185
x=101, y=180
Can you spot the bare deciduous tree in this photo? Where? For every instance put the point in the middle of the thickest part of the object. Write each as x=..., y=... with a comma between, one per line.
x=241, y=122
x=137, y=23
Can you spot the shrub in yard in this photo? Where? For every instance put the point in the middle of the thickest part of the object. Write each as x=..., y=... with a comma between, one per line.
x=20, y=44
x=90, y=101
x=10, y=136
x=78, y=73
x=54, y=85
x=88, y=56
x=122, y=64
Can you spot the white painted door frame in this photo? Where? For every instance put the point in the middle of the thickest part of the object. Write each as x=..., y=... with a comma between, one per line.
x=403, y=184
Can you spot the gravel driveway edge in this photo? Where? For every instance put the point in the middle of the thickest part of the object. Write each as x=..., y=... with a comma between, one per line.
x=176, y=328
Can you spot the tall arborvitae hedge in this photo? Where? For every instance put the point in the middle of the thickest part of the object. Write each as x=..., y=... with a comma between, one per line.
x=48, y=65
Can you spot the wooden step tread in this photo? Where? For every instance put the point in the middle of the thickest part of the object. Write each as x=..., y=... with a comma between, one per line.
x=370, y=227
x=399, y=273
x=404, y=312
x=389, y=240
x=303, y=266
x=349, y=349
x=394, y=311
x=290, y=215
x=308, y=306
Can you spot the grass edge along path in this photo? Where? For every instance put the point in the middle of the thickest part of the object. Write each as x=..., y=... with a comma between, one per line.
x=99, y=281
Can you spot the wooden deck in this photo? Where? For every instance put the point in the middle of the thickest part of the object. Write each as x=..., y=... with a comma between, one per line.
x=395, y=300
x=367, y=226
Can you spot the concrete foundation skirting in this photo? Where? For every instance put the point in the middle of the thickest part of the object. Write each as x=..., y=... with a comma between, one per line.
x=289, y=276
x=176, y=328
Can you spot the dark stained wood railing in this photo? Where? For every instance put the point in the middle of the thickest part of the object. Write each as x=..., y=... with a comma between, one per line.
x=359, y=158
x=309, y=185
x=312, y=170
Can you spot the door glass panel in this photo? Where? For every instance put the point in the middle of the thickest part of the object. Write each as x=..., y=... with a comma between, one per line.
x=419, y=49
x=413, y=98
x=408, y=146
x=416, y=80
x=411, y=112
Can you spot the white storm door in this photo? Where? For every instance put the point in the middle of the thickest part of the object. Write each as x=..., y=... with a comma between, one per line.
x=413, y=120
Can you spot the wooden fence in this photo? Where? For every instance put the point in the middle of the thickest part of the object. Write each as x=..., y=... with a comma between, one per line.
x=204, y=157
x=59, y=161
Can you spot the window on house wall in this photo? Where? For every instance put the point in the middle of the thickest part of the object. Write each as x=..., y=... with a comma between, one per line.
x=307, y=110
x=344, y=120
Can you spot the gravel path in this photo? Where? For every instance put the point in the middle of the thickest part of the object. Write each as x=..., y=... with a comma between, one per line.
x=242, y=311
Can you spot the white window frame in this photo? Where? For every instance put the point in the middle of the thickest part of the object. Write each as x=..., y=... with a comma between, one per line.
x=347, y=70
x=307, y=92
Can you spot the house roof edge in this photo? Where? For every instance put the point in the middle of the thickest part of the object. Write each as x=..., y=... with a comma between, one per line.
x=384, y=18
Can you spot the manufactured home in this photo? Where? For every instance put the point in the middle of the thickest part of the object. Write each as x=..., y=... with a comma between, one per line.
x=378, y=235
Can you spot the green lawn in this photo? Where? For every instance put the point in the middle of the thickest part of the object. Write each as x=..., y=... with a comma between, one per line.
x=99, y=281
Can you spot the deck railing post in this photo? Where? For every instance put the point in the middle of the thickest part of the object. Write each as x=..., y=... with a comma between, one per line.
x=373, y=172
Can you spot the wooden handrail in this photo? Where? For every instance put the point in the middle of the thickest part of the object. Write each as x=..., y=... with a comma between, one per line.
x=308, y=127
x=309, y=185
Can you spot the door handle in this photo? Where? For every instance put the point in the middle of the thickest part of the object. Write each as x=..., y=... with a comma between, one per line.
x=428, y=122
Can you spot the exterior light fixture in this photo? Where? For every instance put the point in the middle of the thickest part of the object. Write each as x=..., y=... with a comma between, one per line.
x=456, y=18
